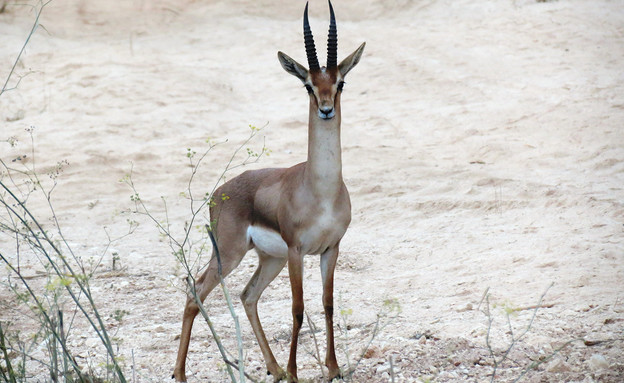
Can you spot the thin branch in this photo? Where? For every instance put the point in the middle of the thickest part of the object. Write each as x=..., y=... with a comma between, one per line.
x=534, y=365
x=36, y=240
x=239, y=338
x=514, y=340
x=191, y=283
x=317, y=356
x=46, y=317
x=182, y=247
x=7, y=360
x=19, y=56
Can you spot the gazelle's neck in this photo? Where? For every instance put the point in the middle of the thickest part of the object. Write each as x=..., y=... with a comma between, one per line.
x=324, y=166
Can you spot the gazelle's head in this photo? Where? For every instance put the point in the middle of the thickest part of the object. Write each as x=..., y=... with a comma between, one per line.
x=323, y=84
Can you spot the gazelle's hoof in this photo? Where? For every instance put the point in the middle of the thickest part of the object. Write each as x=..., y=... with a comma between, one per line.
x=179, y=377
x=338, y=376
x=279, y=376
x=334, y=372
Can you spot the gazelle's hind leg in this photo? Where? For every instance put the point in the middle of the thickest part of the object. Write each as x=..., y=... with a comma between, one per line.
x=268, y=268
x=230, y=258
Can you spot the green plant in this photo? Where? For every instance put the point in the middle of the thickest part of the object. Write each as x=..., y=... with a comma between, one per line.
x=67, y=279
x=38, y=7
x=509, y=311
x=386, y=315
x=66, y=290
x=189, y=246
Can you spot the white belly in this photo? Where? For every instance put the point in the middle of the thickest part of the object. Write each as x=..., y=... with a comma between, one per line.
x=268, y=241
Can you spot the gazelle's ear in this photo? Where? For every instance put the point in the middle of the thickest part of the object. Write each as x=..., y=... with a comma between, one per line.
x=292, y=67
x=347, y=64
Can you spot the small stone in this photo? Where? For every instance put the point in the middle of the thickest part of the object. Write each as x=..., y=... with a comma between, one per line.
x=92, y=342
x=468, y=307
x=598, y=362
x=446, y=375
x=557, y=365
x=254, y=365
x=383, y=368
x=372, y=352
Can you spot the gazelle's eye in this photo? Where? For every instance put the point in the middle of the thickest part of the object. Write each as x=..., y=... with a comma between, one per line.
x=340, y=86
x=309, y=88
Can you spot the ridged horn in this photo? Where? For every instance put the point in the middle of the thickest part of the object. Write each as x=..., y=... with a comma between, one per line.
x=332, y=40
x=313, y=62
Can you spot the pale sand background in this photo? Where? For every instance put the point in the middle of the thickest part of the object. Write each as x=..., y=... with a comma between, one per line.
x=483, y=145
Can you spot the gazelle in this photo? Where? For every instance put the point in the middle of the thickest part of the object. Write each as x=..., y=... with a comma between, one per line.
x=287, y=213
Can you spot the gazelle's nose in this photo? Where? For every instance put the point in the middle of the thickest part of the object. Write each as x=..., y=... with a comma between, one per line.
x=326, y=112
x=326, y=109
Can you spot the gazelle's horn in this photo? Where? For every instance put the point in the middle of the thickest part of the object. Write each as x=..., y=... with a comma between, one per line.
x=309, y=42
x=332, y=40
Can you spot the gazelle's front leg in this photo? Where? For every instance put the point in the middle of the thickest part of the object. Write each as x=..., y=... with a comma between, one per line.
x=295, y=272
x=328, y=264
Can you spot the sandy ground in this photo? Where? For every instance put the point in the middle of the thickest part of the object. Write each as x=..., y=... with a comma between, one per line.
x=483, y=146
